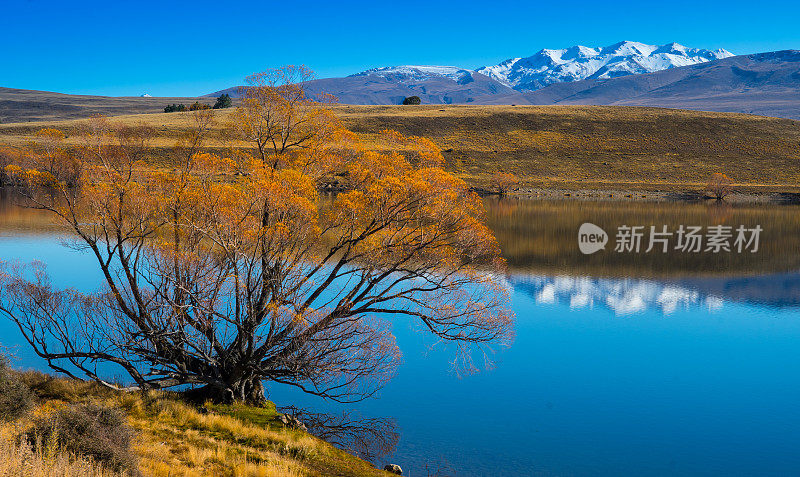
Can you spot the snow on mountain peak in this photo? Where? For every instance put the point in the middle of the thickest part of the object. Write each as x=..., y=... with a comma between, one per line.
x=563, y=65
x=581, y=62
x=417, y=72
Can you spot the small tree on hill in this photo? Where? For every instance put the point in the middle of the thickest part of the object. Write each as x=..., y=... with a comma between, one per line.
x=223, y=102
x=412, y=100
x=720, y=186
x=198, y=106
x=503, y=182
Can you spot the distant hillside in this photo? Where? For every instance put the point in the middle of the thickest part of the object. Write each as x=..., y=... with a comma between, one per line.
x=21, y=105
x=766, y=84
x=563, y=147
x=434, y=85
x=502, y=83
x=599, y=146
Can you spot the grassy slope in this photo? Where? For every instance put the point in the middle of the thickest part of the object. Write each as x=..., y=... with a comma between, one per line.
x=20, y=105
x=603, y=147
x=569, y=147
x=174, y=439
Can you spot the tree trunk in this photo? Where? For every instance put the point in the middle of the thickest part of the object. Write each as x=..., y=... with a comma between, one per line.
x=254, y=392
x=249, y=391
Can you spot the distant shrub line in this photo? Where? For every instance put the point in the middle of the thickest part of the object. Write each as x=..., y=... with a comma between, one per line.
x=223, y=102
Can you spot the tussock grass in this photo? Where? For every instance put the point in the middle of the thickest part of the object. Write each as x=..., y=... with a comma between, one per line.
x=173, y=438
x=17, y=458
x=571, y=147
x=601, y=147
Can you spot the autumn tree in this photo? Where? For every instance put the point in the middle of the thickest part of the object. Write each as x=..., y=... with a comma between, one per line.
x=223, y=273
x=502, y=182
x=8, y=156
x=719, y=186
x=197, y=105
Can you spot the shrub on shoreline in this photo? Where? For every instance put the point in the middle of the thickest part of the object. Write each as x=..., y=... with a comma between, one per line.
x=19, y=458
x=16, y=399
x=95, y=431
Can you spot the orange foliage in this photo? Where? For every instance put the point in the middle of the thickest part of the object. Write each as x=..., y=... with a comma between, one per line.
x=226, y=271
x=503, y=182
x=720, y=186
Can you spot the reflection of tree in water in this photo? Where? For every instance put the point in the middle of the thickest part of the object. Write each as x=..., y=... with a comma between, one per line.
x=503, y=207
x=369, y=438
x=719, y=213
x=438, y=469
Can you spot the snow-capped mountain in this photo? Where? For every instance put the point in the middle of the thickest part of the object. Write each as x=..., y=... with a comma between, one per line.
x=412, y=73
x=433, y=85
x=559, y=66
x=626, y=74
x=767, y=84
x=580, y=62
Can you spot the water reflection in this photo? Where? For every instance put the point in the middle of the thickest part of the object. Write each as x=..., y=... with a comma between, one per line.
x=541, y=237
x=713, y=390
x=623, y=297
x=372, y=439
x=16, y=220
x=627, y=296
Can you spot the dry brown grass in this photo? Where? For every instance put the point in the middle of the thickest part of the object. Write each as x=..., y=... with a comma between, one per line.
x=600, y=146
x=175, y=439
x=572, y=147
x=20, y=105
x=19, y=459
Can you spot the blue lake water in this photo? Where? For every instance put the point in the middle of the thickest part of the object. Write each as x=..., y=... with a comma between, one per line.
x=635, y=366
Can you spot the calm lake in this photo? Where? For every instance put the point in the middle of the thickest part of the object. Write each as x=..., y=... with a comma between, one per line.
x=624, y=363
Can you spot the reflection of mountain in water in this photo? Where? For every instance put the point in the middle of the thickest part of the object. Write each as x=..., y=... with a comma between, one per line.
x=778, y=290
x=627, y=296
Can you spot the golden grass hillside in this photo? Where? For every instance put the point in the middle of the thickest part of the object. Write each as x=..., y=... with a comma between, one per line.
x=176, y=439
x=571, y=147
x=22, y=105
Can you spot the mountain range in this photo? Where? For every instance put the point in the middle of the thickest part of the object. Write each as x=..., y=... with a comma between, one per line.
x=767, y=84
x=580, y=62
x=625, y=73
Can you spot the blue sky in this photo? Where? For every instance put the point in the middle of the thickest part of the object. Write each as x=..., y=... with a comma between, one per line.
x=189, y=48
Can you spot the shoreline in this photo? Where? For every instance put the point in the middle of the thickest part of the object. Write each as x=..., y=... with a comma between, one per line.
x=744, y=197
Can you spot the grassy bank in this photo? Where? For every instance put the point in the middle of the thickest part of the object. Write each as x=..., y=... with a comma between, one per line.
x=592, y=147
x=172, y=438
x=562, y=147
